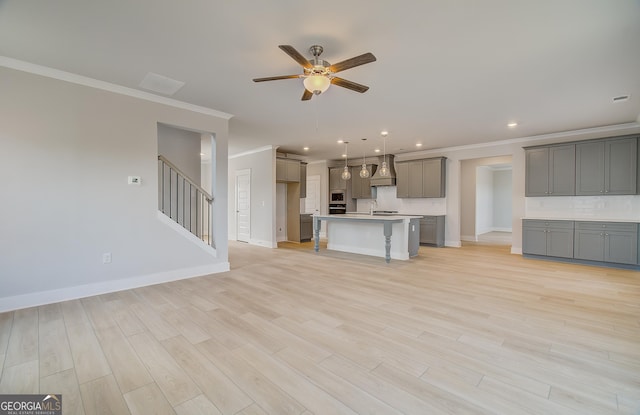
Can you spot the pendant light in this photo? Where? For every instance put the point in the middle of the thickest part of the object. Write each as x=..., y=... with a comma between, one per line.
x=364, y=173
x=384, y=170
x=346, y=174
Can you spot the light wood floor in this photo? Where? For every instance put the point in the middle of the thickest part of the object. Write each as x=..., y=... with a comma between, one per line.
x=472, y=330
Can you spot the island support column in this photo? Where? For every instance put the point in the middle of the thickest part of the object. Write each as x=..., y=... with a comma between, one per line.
x=387, y=241
x=316, y=231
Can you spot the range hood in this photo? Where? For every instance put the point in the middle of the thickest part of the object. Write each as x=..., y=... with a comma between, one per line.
x=390, y=180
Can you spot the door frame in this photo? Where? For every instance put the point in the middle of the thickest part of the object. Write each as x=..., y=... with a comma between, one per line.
x=238, y=174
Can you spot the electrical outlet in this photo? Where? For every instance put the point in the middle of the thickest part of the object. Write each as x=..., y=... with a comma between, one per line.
x=106, y=258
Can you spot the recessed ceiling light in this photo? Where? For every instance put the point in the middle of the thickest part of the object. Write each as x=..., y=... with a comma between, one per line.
x=377, y=150
x=344, y=155
x=384, y=133
x=305, y=148
x=202, y=154
x=512, y=124
x=418, y=144
x=340, y=141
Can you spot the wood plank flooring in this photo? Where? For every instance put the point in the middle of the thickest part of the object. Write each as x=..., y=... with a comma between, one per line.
x=473, y=330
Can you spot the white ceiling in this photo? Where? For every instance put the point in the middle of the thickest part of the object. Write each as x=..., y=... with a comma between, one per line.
x=448, y=73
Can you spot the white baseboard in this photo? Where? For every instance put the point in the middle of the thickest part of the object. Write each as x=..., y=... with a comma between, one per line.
x=81, y=291
x=501, y=229
x=516, y=251
x=260, y=242
x=468, y=238
x=453, y=244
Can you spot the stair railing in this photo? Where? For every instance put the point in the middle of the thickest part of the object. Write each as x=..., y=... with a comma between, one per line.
x=184, y=201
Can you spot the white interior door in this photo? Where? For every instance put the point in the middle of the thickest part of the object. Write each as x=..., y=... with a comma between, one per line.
x=312, y=201
x=243, y=205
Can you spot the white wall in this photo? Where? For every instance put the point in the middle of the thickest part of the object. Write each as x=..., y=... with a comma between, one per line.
x=281, y=212
x=484, y=200
x=182, y=148
x=263, y=194
x=502, y=185
x=66, y=152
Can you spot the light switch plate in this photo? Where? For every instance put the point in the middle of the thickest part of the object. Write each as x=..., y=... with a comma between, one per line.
x=134, y=180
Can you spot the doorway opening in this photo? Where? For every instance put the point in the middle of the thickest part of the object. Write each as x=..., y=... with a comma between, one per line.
x=486, y=200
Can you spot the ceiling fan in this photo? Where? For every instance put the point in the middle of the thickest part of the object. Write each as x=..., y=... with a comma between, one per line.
x=319, y=74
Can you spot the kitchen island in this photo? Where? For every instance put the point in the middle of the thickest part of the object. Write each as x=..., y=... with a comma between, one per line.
x=387, y=236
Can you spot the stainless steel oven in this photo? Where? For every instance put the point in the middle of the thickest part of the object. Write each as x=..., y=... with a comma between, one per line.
x=337, y=208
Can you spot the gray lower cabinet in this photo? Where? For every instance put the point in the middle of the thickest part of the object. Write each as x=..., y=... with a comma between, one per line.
x=607, y=241
x=548, y=237
x=607, y=167
x=306, y=227
x=432, y=230
x=414, y=239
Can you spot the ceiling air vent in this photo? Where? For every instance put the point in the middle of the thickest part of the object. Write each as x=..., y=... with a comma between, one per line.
x=621, y=98
x=160, y=84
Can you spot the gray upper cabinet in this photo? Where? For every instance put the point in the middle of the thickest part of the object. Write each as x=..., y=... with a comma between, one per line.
x=415, y=178
x=335, y=179
x=303, y=180
x=607, y=167
x=550, y=171
x=361, y=188
x=548, y=237
x=433, y=177
x=421, y=178
x=607, y=241
x=402, y=180
x=287, y=170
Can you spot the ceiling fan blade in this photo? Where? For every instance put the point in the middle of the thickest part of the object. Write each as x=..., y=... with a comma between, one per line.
x=353, y=62
x=307, y=95
x=275, y=78
x=290, y=50
x=349, y=85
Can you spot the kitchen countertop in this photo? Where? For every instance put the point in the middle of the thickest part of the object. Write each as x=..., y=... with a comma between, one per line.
x=365, y=216
x=588, y=219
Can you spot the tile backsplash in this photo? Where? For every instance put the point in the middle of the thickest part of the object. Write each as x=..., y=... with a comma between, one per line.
x=584, y=207
x=387, y=200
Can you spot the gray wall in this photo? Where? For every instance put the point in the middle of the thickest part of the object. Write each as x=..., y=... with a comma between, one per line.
x=66, y=152
x=263, y=195
x=502, y=200
x=182, y=148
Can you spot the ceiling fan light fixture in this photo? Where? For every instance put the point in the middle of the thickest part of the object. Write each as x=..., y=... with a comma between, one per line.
x=316, y=83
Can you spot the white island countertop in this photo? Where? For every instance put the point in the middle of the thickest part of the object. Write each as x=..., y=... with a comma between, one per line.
x=386, y=235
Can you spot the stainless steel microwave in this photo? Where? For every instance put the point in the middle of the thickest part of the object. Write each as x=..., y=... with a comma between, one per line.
x=337, y=196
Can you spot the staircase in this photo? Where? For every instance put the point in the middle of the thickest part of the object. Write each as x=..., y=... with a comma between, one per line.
x=184, y=201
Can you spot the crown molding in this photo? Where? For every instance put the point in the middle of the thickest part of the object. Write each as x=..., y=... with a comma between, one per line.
x=105, y=86
x=255, y=150
x=630, y=128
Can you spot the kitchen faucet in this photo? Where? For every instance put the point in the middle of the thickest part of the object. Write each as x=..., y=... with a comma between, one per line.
x=372, y=204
